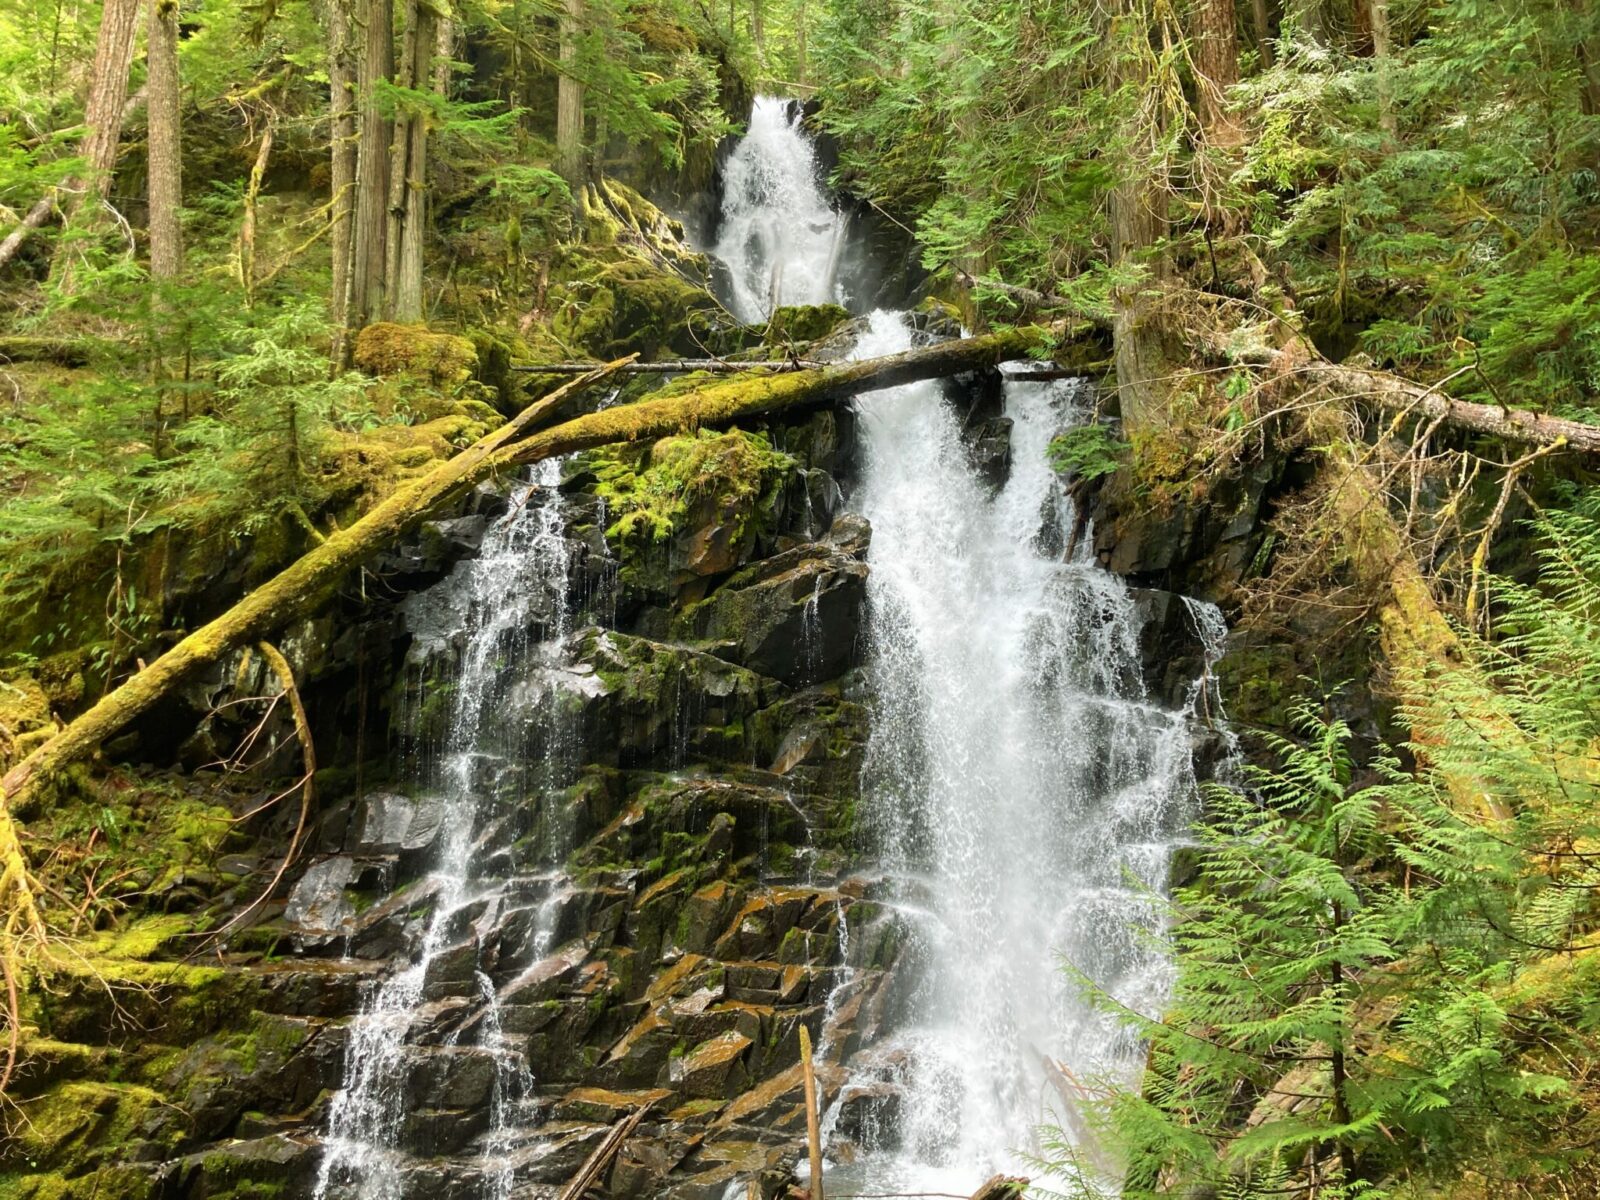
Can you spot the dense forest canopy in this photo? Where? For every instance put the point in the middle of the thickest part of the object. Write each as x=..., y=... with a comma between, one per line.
x=267, y=265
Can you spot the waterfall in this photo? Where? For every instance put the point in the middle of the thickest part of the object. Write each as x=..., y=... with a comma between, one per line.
x=499, y=620
x=780, y=239
x=1022, y=792
x=1020, y=785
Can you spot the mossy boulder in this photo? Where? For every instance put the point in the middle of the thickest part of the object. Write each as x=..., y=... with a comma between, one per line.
x=388, y=349
x=799, y=323
x=686, y=507
x=631, y=305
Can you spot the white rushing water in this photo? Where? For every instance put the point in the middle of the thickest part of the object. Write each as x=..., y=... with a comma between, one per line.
x=1022, y=792
x=779, y=237
x=494, y=605
x=1022, y=789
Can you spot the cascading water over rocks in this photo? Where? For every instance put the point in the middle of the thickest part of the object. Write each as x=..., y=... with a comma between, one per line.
x=856, y=748
x=1021, y=790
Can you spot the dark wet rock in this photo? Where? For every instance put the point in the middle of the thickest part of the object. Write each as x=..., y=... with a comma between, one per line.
x=450, y=1077
x=795, y=617
x=1172, y=654
x=318, y=907
x=638, y=1059
x=869, y=1114
x=989, y=451
x=637, y=699
x=607, y=1107
x=395, y=824
x=715, y=1069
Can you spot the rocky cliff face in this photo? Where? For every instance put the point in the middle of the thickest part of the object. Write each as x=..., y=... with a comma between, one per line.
x=687, y=875
x=667, y=883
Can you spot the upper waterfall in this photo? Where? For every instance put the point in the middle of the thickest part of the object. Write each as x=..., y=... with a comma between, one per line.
x=780, y=238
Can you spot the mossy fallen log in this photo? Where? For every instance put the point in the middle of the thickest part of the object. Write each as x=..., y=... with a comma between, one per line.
x=296, y=591
x=68, y=352
x=309, y=582
x=735, y=400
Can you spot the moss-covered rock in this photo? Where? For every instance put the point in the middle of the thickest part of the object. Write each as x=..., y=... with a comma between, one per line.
x=686, y=506
x=440, y=358
x=802, y=323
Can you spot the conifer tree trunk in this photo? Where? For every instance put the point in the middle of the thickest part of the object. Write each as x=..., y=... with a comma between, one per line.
x=342, y=151
x=1216, y=61
x=1382, y=54
x=1587, y=49
x=399, y=152
x=1138, y=223
x=1263, y=23
x=108, y=90
x=372, y=165
x=569, y=98
x=165, y=152
x=408, y=206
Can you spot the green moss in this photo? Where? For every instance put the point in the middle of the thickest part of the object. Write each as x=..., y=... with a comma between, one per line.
x=140, y=938
x=441, y=358
x=74, y=1124
x=803, y=323
x=650, y=493
x=102, y=1183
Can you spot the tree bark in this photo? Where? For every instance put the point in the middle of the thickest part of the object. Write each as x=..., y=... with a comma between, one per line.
x=166, y=146
x=342, y=152
x=247, y=224
x=1585, y=46
x=1216, y=64
x=108, y=91
x=372, y=166
x=569, y=99
x=408, y=207
x=1263, y=24
x=308, y=583
x=1382, y=55
x=1138, y=224
x=1517, y=426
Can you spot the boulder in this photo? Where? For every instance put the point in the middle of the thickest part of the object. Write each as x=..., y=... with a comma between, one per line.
x=714, y=1069
x=318, y=907
x=795, y=617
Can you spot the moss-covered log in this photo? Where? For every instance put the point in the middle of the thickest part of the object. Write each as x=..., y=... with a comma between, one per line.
x=69, y=352
x=304, y=586
x=298, y=590
x=742, y=399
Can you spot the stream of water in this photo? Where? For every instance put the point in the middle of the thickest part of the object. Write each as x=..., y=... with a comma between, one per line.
x=499, y=622
x=1022, y=791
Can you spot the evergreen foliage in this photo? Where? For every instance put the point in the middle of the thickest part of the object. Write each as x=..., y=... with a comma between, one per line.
x=1378, y=990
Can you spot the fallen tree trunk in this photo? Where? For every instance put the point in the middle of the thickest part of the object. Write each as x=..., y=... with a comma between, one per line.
x=69, y=352
x=1508, y=424
x=307, y=583
x=736, y=400
x=294, y=592
x=715, y=366
x=36, y=216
